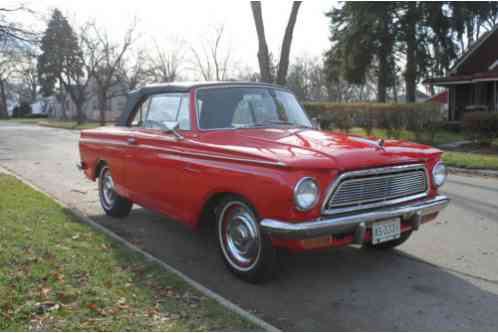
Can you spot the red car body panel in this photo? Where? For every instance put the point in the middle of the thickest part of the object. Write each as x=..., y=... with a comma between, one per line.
x=178, y=177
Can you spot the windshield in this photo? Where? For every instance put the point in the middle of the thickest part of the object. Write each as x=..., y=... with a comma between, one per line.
x=248, y=107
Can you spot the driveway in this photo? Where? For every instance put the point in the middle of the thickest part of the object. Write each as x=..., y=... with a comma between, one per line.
x=444, y=278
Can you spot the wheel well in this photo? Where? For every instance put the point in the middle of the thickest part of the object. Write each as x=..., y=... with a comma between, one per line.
x=208, y=213
x=99, y=166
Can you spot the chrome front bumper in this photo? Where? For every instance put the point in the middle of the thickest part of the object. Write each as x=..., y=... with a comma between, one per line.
x=354, y=223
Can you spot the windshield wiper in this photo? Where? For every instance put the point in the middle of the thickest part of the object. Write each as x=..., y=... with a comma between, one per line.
x=268, y=123
x=281, y=122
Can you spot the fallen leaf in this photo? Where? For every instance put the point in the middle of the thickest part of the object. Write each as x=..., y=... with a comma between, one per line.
x=58, y=276
x=42, y=308
x=45, y=291
x=92, y=306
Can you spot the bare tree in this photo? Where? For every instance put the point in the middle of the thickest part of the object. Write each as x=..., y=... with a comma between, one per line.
x=8, y=60
x=106, y=57
x=14, y=37
x=76, y=74
x=12, y=31
x=286, y=44
x=133, y=70
x=28, y=75
x=263, y=53
x=164, y=65
x=212, y=60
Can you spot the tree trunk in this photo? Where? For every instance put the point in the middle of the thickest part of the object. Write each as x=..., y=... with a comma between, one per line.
x=263, y=54
x=286, y=44
x=3, y=108
x=80, y=116
x=382, y=78
x=411, y=49
x=382, y=55
x=102, y=101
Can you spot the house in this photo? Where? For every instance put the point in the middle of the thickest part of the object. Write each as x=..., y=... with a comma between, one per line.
x=64, y=106
x=472, y=81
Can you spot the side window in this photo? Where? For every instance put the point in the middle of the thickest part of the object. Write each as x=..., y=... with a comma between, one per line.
x=138, y=120
x=162, y=108
x=157, y=109
x=184, y=114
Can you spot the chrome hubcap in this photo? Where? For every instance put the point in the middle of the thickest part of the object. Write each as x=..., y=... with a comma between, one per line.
x=108, y=192
x=240, y=236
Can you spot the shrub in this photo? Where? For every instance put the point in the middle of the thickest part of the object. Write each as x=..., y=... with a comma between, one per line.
x=21, y=111
x=481, y=127
x=421, y=118
x=343, y=121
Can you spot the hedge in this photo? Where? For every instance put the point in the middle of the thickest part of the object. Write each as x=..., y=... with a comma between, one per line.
x=481, y=127
x=424, y=119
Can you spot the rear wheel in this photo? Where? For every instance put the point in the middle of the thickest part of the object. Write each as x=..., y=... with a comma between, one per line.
x=113, y=204
x=389, y=244
x=245, y=250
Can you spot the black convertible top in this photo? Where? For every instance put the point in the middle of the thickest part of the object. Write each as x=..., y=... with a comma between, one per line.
x=138, y=95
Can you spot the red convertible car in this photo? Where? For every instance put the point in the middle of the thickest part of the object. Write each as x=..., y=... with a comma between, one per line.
x=246, y=156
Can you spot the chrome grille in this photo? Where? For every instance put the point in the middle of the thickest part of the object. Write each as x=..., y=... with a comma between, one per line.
x=377, y=187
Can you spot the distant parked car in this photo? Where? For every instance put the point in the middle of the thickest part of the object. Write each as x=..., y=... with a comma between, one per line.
x=246, y=156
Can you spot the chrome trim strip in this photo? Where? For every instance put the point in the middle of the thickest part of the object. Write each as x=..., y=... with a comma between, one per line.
x=178, y=152
x=104, y=141
x=211, y=156
x=349, y=223
x=369, y=172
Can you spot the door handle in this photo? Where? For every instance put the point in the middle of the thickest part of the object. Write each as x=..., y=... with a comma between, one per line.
x=132, y=141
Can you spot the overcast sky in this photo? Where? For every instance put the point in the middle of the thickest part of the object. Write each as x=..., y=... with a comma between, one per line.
x=188, y=20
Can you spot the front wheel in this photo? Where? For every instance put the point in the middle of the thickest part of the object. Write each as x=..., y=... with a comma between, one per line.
x=245, y=250
x=113, y=204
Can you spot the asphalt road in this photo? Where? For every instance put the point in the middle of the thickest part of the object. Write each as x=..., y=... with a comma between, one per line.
x=444, y=278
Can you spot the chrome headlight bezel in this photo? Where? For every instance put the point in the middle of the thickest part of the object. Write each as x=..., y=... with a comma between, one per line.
x=298, y=202
x=439, y=174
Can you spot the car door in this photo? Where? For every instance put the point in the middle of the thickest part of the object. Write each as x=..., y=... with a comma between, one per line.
x=155, y=168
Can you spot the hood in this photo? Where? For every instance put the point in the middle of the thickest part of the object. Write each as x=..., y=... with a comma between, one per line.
x=317, y=149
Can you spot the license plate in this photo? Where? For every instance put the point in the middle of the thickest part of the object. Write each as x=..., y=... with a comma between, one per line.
x=387, y=230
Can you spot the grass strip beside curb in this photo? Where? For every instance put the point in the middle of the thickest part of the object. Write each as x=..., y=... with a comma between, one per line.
x=60, y=275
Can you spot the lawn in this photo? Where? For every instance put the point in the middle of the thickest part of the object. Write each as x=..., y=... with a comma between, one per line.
x=485, y=158
x=65, y=124
x=72, y=125
x=441, y=137
x=60, y=275
x=471, y=160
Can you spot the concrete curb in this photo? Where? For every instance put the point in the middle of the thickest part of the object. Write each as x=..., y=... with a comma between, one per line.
x=196, y=285
x=474, y=172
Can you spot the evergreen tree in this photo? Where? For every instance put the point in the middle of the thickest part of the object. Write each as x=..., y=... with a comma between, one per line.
x=425, y=36
x=60, y=56
x=364, y=35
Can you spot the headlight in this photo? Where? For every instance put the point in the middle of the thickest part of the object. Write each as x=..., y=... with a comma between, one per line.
x=439, y=174
x=306, y=194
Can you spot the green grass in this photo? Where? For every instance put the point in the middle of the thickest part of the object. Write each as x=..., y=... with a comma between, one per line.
x=471, y=160
x=59, y=275
x=451, y=158
x=64, y=124
x=71, y=125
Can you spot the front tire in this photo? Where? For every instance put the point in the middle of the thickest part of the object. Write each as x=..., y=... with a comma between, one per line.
x=245, y=250
x=113, y=204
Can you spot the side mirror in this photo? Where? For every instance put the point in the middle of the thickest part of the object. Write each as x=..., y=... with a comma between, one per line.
x=172, y=126
x=315, y=122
